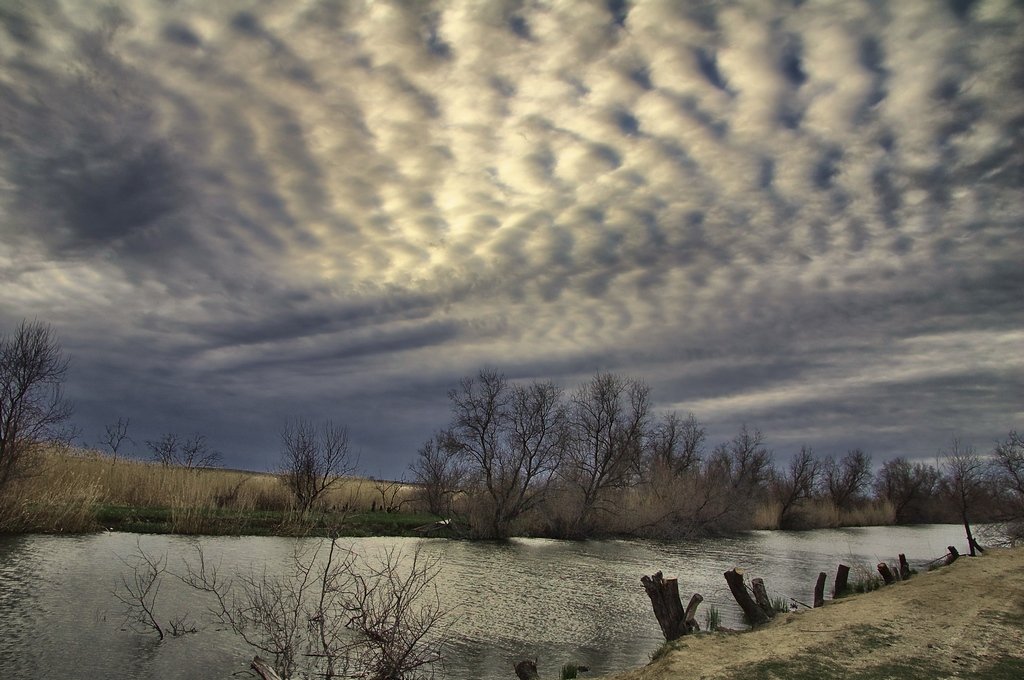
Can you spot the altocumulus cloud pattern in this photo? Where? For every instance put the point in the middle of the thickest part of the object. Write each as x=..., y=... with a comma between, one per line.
x=806, y=216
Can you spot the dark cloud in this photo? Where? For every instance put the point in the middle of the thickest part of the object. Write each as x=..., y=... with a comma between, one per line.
x=806, y=219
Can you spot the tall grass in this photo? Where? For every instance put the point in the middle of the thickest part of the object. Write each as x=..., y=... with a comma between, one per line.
x=64, y=491
x=55, y=500
x=823, y=514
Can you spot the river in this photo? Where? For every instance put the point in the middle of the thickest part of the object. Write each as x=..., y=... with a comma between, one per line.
x=553, y=601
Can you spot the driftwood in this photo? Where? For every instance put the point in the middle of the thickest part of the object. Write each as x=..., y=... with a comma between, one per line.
x=842, y=578
x=761, y=596
x=264, y=669
x=952, y=556
x=668, y=608
x=819, y=590
x=527, y=670
x=904, y=568
x=886, y=573
x=755, y=615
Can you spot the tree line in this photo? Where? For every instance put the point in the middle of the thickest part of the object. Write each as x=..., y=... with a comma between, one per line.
x=532, y=458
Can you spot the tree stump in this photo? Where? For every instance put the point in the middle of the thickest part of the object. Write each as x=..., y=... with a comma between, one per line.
x=668, y=608
x=904, y=568
x=842, y=579
x=819, y=590
x=886, y=573
x=526, y=670
x=691, y=613
x=755, y=615
x=761, y=596
x=952, y=556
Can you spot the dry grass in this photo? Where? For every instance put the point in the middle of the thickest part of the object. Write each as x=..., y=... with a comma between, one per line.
x=55, y=500
x=822, y=514
x=65, y=488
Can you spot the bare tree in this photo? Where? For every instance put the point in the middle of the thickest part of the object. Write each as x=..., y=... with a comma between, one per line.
x=907, y=486
x=313, y=459
x=389, y=490
x=796, y=484
x=33, y=411
x=1007, y=471
x=165, y=449
x=190, y=453
x=510, y=438
x=677, y=445
x=735, y=477
x=115, y=435
x=845, y=482
x=608, y=419
x=196, y=453
x=965, y=475
x=439, y=472
x=744, y=461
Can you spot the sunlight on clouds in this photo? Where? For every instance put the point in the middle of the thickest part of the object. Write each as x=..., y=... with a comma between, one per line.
x=454, y=184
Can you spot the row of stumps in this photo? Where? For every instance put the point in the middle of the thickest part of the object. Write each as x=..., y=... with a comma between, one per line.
x=677, y=621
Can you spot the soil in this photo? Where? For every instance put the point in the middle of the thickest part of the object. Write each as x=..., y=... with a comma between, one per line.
x=965, y=620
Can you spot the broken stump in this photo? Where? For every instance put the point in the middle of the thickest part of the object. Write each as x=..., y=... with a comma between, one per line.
x=755, y=615
x=819, y=590
x=842, y=579
x=668, y=608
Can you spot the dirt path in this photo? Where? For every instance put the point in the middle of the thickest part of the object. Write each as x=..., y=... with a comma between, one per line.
x=961, y=621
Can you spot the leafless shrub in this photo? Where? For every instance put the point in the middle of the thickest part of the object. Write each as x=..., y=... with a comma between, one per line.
x=389, y=491
x=439, y=473
x=335, y=615
x=138, y=592
x=115, y=435
x=313, y=459
x=191, y=453
x=398, y=617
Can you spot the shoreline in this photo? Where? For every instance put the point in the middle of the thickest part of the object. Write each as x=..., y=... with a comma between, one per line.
x=961, y=620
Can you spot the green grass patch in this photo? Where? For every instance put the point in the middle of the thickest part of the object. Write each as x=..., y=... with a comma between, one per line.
x=231, y=522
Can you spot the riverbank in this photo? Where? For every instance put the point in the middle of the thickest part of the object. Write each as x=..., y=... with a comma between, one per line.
x=89, y=492
x=965, y=620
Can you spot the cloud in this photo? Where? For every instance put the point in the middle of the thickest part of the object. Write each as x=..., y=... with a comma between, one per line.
x=749, y=204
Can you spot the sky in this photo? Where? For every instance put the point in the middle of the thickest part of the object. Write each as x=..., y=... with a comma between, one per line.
x=807, y=217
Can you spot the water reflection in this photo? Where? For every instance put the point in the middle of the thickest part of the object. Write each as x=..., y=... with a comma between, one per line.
x=554, y=601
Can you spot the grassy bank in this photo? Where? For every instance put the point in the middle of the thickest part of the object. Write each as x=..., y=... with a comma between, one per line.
x=964, y=620
x=86, y=491
x=89, y=492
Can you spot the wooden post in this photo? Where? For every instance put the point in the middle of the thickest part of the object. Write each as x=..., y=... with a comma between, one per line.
x=755, y=615
x=904, y=567
x=842, y=577
x=953, y=554
x=526, y=670
x=819, y=590
x=264, y=669
x=668, y=608
x=761, y=596
x=886, y=573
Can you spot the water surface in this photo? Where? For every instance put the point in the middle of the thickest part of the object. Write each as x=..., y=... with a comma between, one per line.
x=554, y=601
